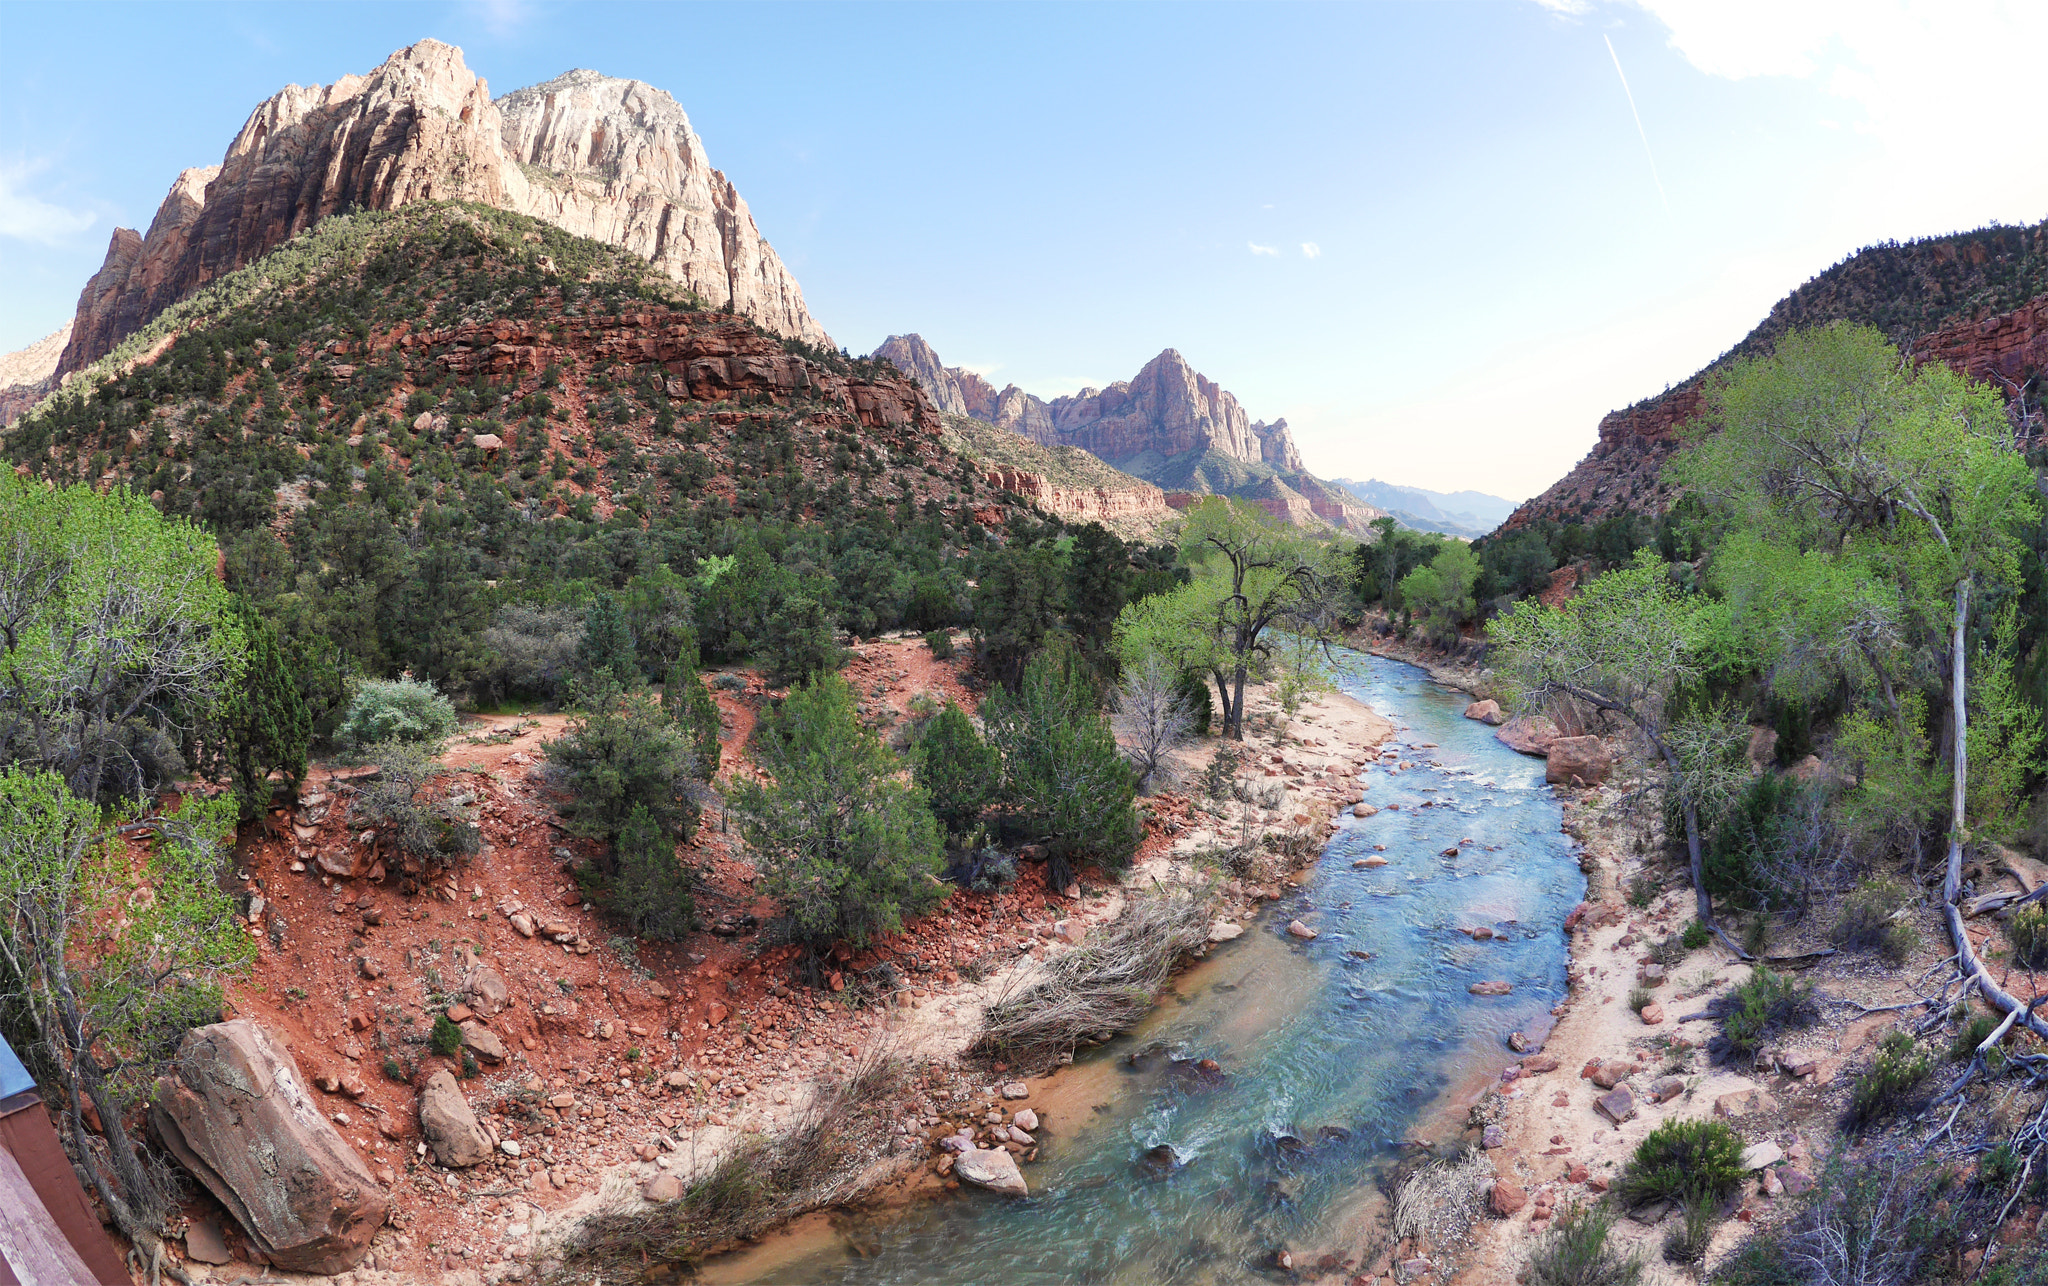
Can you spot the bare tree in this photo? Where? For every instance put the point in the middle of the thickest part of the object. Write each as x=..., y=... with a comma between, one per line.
x=1150, y=718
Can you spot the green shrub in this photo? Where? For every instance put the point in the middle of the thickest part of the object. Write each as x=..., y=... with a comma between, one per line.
x=690, y=704
x=941, y=644
x=1696, y=935
x=1642, y=890
x=1971, y=1036
x=649, y=889
x=624, y=753
x=1193, y=690
x=397, y=710
x=447, y=1037
x=1892, y=1085
x=1575, y=1252
x=1689, y=1162
x=1061, y=765
x=431, y=833
x=1869, y=921
x=1638, y=997
x=1764, y=1004
x=1687, y=1243
x=607, y=653
x=797, y=640
x=1999, y=1168
x=848, y=848
x=2028, y=931
x=956, y=769
x=1758, y=852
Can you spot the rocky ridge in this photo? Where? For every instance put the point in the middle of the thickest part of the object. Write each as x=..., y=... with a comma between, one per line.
x=1169, y=425
x=1060, y=480
x=29, y=375
x=611, y=159
x=1977, y=301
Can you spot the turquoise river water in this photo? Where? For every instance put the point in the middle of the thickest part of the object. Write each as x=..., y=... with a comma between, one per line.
x=1330, y=1060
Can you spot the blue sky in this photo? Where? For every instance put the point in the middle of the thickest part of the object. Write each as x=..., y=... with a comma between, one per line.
x=1432, y=236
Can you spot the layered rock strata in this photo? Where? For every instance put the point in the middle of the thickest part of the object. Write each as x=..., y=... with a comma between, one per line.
x=30, y=375
x=611, y=159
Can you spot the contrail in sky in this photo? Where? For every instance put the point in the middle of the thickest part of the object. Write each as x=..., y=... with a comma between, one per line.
x=1639, y=124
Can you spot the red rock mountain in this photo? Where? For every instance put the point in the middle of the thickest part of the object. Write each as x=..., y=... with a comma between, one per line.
x=1975, y=300
x=605, y=158
x=1169, y=425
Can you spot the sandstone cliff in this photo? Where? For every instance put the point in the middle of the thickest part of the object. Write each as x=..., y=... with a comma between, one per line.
x=1977, y=301
x=28, y=376
x=1066, y=481
x=953, y=390
x=605, y=158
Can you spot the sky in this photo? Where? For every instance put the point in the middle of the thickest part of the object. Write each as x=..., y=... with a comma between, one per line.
x=1441, y=240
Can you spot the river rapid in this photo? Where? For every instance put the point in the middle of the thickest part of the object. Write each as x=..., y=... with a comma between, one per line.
x=1333, y=1053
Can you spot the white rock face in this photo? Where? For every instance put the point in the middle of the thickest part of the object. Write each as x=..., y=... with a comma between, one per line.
x=616, y=160
x=993, y=1169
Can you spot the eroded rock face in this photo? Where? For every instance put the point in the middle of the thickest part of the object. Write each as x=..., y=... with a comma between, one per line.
x=620, y=164
x=952, y=389
x=599, y=157
x=1168, y=408
x=238, y=1115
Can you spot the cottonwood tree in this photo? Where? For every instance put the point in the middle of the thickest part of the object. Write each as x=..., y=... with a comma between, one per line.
x=1261, y=590
x=116, y=636
x=1903, y=482
x=1626, y=646
x=110, y=957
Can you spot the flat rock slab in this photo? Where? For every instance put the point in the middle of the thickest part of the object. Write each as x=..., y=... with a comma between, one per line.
x=1616, y=1105
x=993, y=1169
x=204, y=1243
x=239, y=1116
x=1492, y=988
x=1758, y=1155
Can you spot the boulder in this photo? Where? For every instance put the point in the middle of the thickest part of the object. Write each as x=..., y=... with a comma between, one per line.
x=1666, y=1088
x=1763, y=746
x=1486, y=712
x=1745, y=1102
x=486, y=441
x=1528, y=735
x=1759, y=1155
x=1611, y=1072
x=1225, y=930
x=1297, y=929
x=489, y=991
x=1507, y=1198
x=237, y=1114
x=1617, y=1105
x=1582, y=758
x=483, y=1042
x=1494, y=987
x=1026, y=1119
x=994, y=1169
x=1016, y=1090
x=1363, y=810
x=447, y=1124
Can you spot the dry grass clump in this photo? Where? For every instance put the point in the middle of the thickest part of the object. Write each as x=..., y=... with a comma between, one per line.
x=1438, y=1204
x=824, y=1159
x=1100, y=987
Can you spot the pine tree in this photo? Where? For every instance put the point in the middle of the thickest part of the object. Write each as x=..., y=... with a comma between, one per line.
x=262, y=725
x=650, y=891
x=608, y=650
x=956, y=769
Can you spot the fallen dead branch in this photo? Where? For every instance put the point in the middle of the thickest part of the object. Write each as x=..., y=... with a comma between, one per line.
x=1101, y=987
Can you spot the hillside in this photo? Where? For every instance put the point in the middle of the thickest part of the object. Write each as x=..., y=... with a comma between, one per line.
x=595, y=155
x=1066, y=481
x=1976, y=300
x=30, y=375
x=399, y=421
x=1168, y=425
x=1469, y=514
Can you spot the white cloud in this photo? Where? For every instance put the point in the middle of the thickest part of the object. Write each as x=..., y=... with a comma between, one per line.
x=985, y=370
x=1258, y=249
x=1942, y=87
x=25, y=217
x=1311, y=250
x=503, y=17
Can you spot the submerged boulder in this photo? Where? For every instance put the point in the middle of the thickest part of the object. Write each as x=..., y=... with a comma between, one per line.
x=991, y=1168
x=237, y=1114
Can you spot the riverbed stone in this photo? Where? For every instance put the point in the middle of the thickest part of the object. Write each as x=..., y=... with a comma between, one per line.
x=1617, y=1105
x=1612, y=1072
x=1486, y=712
x=1025, y=1119
x=1493, y=1136
x=1225, y=930
x=1758, y=1155
x=993, y=1169
x=1016, y=1090
x=1492, y=987
x=1297, y=929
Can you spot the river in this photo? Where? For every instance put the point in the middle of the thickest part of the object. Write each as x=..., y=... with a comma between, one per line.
x=1333, y=1052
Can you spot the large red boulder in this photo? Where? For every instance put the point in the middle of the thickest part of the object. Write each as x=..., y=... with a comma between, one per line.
x=1577, y=761
x=1528, y=734
x=236, y=1113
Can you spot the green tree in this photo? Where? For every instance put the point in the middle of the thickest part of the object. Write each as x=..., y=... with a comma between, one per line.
x=1061, y=766
x=1098, y=586
x=116, y=637
x=1018, y=602
x=848, y=848
x=650, y=890
x=1260, y=605
x=608, y=653
x=262, y=725
x=956, y=769
x=1901, y=480
x=1441, y=592
x=798, y=640
x=401, y=710
x=99, y=984
x=689, y=703
x=624, y=752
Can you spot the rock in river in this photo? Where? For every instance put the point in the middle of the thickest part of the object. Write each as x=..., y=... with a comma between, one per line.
x=995, y=1170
